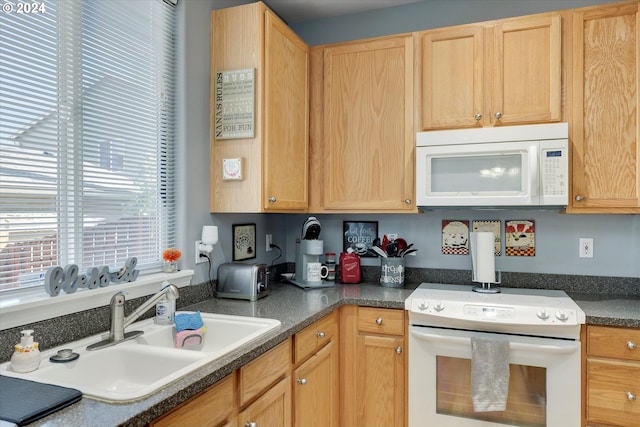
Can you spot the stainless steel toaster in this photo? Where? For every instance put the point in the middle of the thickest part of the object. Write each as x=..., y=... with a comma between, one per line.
x=242, y=281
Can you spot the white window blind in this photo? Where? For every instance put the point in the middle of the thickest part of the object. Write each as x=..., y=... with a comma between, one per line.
x=86, y=136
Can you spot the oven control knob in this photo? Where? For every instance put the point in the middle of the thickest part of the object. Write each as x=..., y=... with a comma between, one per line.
x=438, y=307
x=542, y=314
x=562, y=316
x=423, y=306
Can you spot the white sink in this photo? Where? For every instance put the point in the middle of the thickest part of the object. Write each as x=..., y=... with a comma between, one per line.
x=134, y=369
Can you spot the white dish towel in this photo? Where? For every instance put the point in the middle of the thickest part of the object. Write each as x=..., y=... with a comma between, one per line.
x=489, y=374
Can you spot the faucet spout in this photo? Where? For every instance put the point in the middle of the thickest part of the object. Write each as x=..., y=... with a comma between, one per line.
x=119, y=322
x=169, y=291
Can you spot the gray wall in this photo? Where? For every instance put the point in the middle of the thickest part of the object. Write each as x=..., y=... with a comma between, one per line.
x=424, y=15
x=616, y=237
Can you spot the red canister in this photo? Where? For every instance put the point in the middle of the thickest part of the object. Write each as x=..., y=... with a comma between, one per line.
x=349, y=268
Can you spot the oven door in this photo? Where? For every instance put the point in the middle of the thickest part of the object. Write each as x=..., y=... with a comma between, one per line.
x=544, y=382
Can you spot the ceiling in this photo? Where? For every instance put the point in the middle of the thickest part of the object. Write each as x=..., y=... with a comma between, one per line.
x=293, y=11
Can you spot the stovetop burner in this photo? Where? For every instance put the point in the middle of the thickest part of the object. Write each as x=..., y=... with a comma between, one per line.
x=514, y=310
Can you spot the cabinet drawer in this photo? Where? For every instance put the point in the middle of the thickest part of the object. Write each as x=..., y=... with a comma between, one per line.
x=314, y=336
x=608, y=386
x=381, y=321
x=621, y=343
x=256, y=376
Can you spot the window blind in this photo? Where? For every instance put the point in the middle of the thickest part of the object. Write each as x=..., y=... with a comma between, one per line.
x=87, y=163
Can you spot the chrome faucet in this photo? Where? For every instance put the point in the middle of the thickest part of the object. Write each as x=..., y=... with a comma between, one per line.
x=119, y=322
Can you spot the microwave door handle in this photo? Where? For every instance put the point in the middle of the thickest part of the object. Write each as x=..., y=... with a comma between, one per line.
x=533, y=172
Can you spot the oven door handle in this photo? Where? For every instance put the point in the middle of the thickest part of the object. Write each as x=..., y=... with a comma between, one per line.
x=565, y=347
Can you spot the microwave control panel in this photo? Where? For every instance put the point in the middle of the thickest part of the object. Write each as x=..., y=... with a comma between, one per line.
x=554, y=171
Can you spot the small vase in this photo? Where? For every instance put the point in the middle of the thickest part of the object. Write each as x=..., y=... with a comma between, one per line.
x=170, y=266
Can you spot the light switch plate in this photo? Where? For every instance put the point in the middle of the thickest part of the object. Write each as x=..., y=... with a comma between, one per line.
x=586, y=247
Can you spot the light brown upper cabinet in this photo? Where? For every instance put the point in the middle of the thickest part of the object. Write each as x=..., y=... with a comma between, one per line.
x=605, y=128
x=362, y=133
x=274, y=163
x=496, y=73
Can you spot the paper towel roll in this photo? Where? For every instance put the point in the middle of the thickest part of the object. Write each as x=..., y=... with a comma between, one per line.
x=482, y=257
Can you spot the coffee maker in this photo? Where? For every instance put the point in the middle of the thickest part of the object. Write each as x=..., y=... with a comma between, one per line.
x=309, y=249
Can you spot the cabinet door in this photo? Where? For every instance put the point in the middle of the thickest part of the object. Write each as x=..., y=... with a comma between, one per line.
x=605, y=129
x=286, y=110
x=452, y=78
x=527, y=70
x=315, y=390
x=380, y=388
x=213, y=408
x=272, y=409
x=368, y=121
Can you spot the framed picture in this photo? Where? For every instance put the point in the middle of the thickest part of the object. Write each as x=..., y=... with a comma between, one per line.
x=244, y=241
x=359, y=236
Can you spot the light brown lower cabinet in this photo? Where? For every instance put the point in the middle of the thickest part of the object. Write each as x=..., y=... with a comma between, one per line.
x=373, y=367
x=214, y=407
x=271, y=409
x=613, y=377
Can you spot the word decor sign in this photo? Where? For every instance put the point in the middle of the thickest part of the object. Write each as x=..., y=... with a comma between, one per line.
x=69, y=279
x=234, y=105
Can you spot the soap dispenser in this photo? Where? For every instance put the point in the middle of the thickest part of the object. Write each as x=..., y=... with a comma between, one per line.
x=26, y=357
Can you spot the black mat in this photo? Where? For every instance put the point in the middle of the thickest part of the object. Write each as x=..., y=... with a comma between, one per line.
x=22, y=401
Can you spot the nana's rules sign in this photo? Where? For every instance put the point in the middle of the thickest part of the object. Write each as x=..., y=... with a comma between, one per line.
x=235, y=104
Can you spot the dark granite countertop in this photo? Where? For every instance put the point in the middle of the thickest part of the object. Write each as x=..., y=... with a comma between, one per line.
x=296, y=309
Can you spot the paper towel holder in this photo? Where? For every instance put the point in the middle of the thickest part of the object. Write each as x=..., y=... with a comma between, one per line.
x=483, y=258
x=487, y=288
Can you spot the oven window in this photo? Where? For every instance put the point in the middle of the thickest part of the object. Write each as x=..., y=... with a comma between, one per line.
x=526, y=402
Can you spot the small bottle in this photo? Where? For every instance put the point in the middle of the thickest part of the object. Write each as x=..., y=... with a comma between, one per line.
x=26, y=357
x=165, y=311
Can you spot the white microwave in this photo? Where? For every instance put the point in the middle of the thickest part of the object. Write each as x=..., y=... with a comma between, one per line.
x=500, y=166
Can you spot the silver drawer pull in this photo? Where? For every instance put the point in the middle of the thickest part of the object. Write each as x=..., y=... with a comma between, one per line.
x=379, y=321
x=398, y=350
x=631, y=396
x=302, y=381
x=631, y=345
x=320, y=334
x=250, y=424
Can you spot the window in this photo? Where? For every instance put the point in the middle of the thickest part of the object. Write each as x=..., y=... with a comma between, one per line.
x=86, y=135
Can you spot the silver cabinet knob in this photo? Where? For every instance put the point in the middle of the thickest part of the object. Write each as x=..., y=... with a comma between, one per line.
x=320, y=334
x=579, y=198
x=631, y=345
x=478, y=117
x=301, y=381
x=407, y=201
x=379, y=321
x=498, y=115
x=631, y=396
x=272, y=199
x=250, y=424
x=398, y=350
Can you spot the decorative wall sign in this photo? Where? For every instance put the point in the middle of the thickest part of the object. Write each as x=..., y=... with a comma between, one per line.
x=244, y=241
x=491, y=226
x=520, y=238
x=455, y=237
x=234, y=104
x=69, y=280
x=359, y=236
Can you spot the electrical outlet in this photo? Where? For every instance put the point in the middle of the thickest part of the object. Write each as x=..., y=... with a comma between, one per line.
x=199, y=259
x=269, y=240
x=586, y=247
